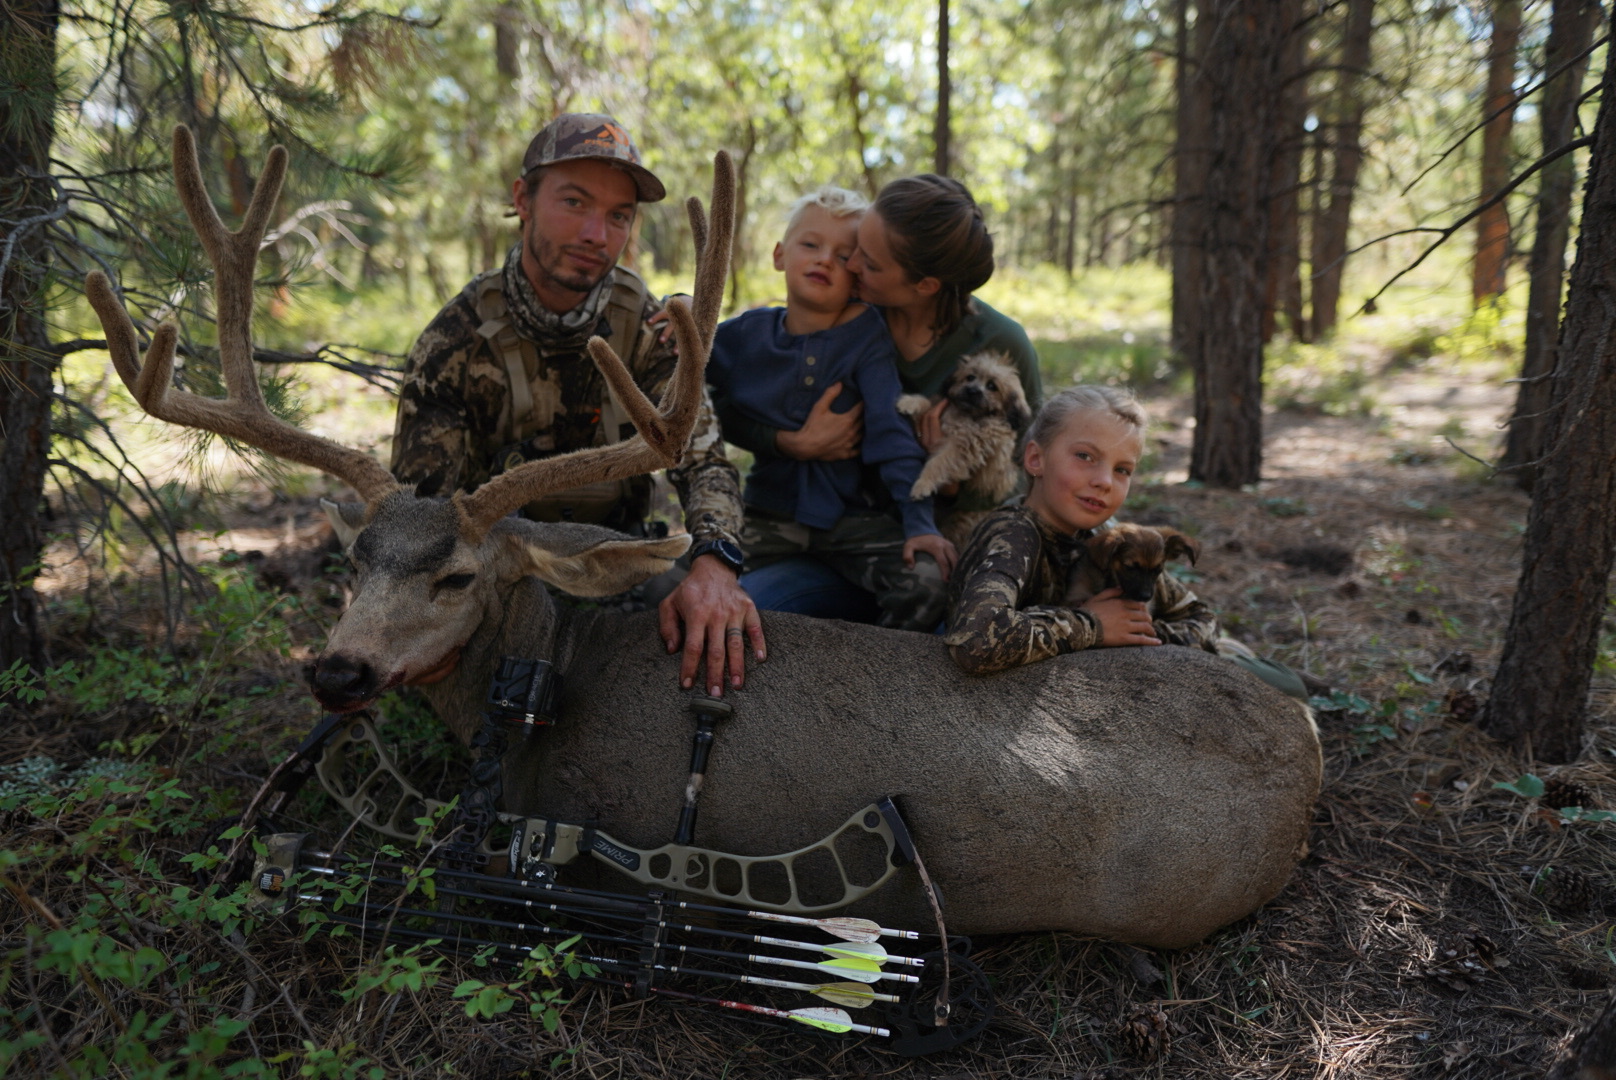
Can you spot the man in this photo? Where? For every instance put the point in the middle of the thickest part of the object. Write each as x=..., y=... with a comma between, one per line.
x=502, y=376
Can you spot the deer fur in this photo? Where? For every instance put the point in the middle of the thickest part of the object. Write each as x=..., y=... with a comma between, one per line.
x=1145, y=795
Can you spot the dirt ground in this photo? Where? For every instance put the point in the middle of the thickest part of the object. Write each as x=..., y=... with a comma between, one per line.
x=1439, y=927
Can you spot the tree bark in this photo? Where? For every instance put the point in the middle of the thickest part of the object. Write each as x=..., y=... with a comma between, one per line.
x=1242, y=45
x=1332, y=223
x=1282, y=296
x=940, y=132
x=1487, y=278
x=1571, y=28
x=1540, y=692
x=27, y=364
x=1189, y=173
x=1592, y=1054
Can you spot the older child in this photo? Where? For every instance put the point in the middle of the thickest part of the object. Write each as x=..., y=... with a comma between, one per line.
x=1081, y=455
x=771, y=366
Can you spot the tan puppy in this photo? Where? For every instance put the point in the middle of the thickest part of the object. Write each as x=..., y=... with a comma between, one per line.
x=1129, y=557
x=987, y=410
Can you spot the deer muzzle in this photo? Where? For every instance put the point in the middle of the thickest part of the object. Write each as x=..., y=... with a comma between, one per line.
x=344, y=685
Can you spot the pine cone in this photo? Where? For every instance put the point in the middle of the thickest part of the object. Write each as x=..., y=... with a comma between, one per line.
x=1463, y=706
x=1559, y=793
x=1145, y=1035
x=1569, y=891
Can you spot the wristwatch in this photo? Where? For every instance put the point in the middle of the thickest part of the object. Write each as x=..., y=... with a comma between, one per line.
x=723, y=550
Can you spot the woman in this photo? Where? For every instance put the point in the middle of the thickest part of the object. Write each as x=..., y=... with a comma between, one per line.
x=923, y=250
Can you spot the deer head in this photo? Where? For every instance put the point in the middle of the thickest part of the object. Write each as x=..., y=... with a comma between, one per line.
x=432, y=571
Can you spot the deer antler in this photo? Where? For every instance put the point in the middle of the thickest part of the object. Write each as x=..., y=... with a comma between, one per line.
x=241, y=414
x=663, y=429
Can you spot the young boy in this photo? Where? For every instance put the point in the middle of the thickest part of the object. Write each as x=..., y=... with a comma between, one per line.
x=769, y=368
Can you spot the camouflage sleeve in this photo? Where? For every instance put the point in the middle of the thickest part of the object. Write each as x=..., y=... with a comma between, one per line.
x=709, y=486
x=987, y=631
x=430, y=432
x=1182, y=618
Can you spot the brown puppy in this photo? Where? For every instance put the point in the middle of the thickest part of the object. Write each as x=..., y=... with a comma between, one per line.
x=1129, y=557
x=987, y=410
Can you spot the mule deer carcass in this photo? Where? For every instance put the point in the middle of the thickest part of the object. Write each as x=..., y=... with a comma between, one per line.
x=1147, y=795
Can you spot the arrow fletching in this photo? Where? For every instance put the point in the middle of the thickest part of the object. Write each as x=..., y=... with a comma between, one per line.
x=855, y=950
x=851, y=995
x=848, y=929
x=864, y=971
x=823, y=1019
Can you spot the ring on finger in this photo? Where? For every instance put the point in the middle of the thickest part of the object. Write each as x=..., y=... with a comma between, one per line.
x=734, y=631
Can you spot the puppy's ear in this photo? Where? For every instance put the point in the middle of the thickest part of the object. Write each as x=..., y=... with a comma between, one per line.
x=1181, y=546
x=1018, y=415
x=1104, y=546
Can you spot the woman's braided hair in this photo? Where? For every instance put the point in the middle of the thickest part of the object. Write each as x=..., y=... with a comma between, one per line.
x=937, y=230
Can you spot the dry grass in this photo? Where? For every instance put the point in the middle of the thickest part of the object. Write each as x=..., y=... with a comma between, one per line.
x=1439, y=927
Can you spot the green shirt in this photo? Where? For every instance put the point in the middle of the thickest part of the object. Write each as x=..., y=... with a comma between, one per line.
x=982, y=330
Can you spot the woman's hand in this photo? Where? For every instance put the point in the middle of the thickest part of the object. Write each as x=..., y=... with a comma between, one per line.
x=935, y=545
x=929, y=427
x=1122, y=622
x=825, y=435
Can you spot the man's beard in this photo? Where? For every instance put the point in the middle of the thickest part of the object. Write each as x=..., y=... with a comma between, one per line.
x=548, y=258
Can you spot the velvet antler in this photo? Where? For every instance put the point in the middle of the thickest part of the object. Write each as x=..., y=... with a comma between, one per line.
x=242, y=414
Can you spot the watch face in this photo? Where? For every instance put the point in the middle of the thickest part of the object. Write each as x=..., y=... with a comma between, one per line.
x=728, y=553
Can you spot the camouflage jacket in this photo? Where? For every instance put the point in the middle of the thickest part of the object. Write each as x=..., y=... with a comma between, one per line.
x=455, y=426
x=1005, y=598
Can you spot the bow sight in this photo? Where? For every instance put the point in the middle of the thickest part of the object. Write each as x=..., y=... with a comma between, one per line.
x=497, y=891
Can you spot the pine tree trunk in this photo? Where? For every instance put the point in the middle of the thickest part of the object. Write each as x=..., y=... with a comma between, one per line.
x=1571, y=28
x=1592, y=1054
x=1540, y=692
x=1189, y=173
x=27, y=365
x=940, y=130
x=1243, y=44
x=1487, y=278
x=1331, y=224
x=1282, y=297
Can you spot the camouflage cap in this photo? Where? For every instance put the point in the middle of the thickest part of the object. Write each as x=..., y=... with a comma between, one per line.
x=592, y=135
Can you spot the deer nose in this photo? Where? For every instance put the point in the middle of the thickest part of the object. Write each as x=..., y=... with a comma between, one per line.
x=337, y=680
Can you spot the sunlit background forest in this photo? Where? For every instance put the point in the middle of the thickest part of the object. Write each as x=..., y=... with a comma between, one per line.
x=1420, y=165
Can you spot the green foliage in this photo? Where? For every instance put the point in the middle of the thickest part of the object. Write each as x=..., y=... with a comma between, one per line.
x=1324, y=378
x=1283, y=506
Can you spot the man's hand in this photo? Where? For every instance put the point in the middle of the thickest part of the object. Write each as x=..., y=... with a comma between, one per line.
x=935, y=545
x=713, y=617
x=825, y=435
x=929, y=427
x=1122, y=622
x=664, y=320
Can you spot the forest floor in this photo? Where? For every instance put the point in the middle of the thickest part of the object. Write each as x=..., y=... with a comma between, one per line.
x=1440, y=926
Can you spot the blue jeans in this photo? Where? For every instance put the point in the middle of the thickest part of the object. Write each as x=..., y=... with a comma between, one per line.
x=805, y=586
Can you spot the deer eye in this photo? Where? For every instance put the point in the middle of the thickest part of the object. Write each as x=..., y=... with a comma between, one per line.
x=456, y=581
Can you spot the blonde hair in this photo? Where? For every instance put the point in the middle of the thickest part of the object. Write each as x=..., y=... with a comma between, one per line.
x=1120, y=404
x=838, y=202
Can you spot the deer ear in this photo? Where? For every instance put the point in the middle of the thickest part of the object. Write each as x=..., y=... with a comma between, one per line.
x=347, y=518
x=1181, y=546
x=587, y=560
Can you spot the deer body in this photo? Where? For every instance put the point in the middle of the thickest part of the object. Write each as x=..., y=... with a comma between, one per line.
x=1148, y=795
x=1143, y=795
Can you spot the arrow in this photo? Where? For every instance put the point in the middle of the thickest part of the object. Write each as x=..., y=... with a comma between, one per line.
x=859, y=970
x=825, y=1019
x=852, y=995
x=846, y=928
x=851, y=950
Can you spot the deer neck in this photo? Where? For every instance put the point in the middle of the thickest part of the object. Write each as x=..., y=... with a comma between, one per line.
x=520, y=619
